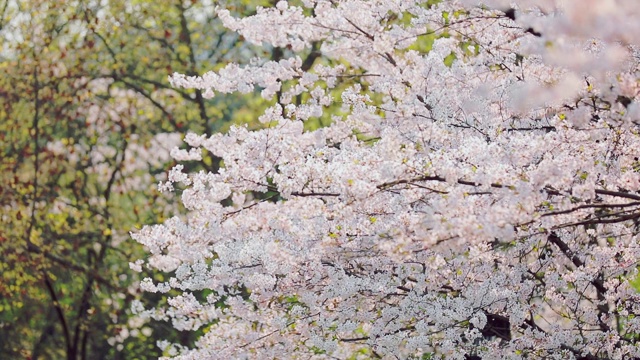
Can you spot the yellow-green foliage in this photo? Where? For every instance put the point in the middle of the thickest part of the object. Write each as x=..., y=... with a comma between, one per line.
x=81, y=78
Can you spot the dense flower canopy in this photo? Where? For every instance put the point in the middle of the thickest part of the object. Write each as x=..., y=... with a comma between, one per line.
x=476, y=193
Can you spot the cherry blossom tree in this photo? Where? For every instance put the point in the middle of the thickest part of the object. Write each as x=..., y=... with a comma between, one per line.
x=476, y=194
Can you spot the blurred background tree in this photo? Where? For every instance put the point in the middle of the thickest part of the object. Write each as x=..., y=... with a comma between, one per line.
x=87, y=120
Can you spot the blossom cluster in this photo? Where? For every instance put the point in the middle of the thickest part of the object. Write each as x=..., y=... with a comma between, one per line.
x=477, y=195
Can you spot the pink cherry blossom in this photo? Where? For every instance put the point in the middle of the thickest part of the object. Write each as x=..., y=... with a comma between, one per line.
x=475, y=196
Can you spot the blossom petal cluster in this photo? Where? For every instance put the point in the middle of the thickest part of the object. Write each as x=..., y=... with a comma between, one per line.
x=476, y=195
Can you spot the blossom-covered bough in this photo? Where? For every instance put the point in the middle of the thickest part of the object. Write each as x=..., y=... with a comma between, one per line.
x=476, y=194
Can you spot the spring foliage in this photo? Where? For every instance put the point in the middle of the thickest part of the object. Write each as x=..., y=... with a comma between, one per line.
x=475, y=195
x=87, y=122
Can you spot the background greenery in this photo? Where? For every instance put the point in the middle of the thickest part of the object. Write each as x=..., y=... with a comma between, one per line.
x=87, y=117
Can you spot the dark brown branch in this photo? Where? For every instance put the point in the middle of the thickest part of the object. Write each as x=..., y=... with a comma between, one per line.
x=369, y=36
x=60, y=313
x=79, y=331
x=600, y=220
x=249, y=206
x=185, y=35
x=37, y=250
x=364, y=338
x=144, y=93
x=302, y=194
x=116, y=171
x=315, y=53
x=275, y=331
x=36, y=152
x=597, y=283
x=621, y=194
x=590, y=206
x=555, y=239
x=390, y=184
x=160, y=85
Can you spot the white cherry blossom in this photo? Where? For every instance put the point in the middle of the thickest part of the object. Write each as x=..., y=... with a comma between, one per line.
x=475, y=196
